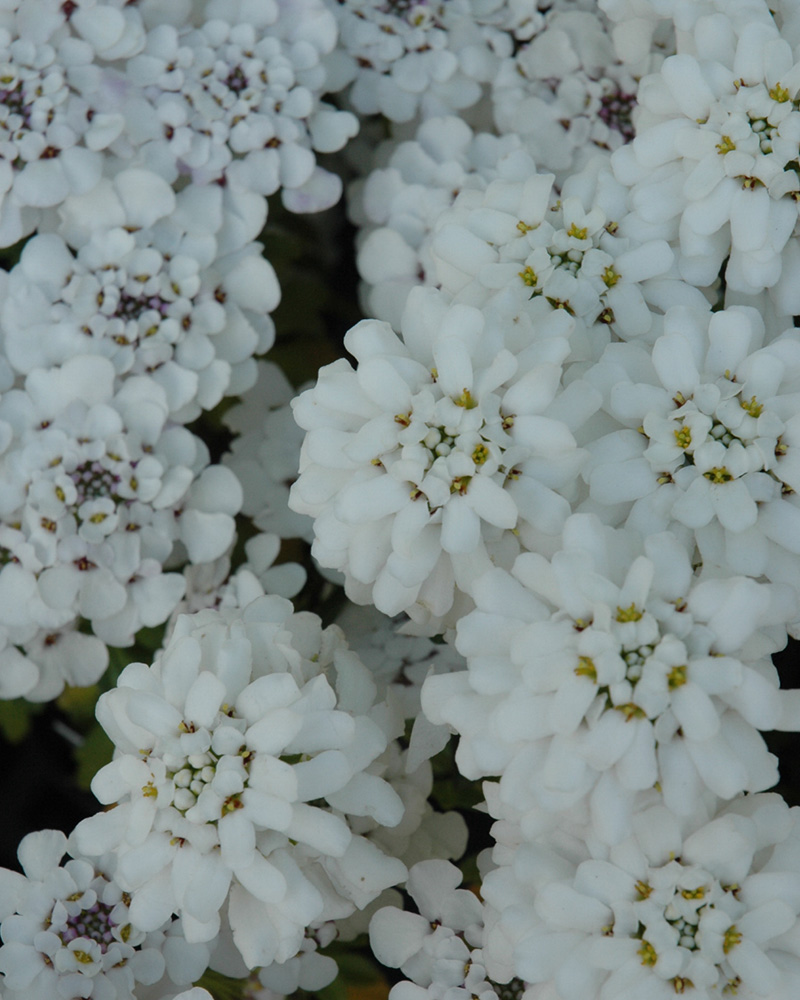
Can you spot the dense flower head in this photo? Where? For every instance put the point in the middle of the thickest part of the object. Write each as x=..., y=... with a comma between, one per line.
x=163, y=291
x=67, y=931
x=400, y=201
x=609, y=669
x=237, y=760
x=49, y=145
x=102, y=490
x=701, y=908
x=710, y=438
x=518, y=245
x=236, y=98
x=564, y=93
x=717, y=139
x=409, y=58
x=429, y=456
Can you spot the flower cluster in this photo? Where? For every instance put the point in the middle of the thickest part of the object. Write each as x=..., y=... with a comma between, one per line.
x=237, y=759
x=67, y=931
x=547, y=503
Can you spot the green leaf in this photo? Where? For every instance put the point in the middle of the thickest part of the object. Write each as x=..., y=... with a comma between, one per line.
x=78, y=704
x=95, y=752
x=223, y=987
x=15, y=718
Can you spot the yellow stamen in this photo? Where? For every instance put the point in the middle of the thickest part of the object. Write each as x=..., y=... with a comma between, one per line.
x=676, y=677
x=718, y=475
x=586, y=668
x=648, y=953
x=731, y=939
x=752, y=406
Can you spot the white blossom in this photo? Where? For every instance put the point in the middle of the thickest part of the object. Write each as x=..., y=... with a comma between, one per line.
x=715, y=156
x=222, y=746
x=156, y=298
x=709, y=437
x=420, y=464
x=439, y=947
x=609, y=669
x=237, y=98
x=101, y=490
x=399, y=202
x=695, y=908
x=564, y=93
x=414, y=57
x=49, y=147
x=67, y=930
x=517, y=249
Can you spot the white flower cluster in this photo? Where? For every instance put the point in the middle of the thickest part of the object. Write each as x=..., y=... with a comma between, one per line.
x=139, y=143
x=160, y=284
x=97, y=491
x=422, y=466
x=565, y=92
x=572, y=453
x=438, y=948
x=238, y=758
x=399, y=204
x=704, y=908
x=414, y=57
x=562, y=462
x=67, y=931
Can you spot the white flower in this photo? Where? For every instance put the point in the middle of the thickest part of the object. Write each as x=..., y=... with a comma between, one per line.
x=420, y=464
x=716, y=452
x=696, y=908
x=67, y=930
x=154, y=294
x=64, y=656
x=97, y=492
x=308, y=970
x=715, y=158
x=564, y=92
x=439, y=949
x=399, y=203
x=419, y=59
x=221, y=747
x=516, y=247
x=212, y=585
x=46, y=152
x=238, y=98
x=410, y=941
x=631, y=673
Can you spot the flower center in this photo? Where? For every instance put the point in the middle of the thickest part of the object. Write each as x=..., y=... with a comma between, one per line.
x=132, y=307
x=192, y=779
x=13, y=100
x=616, y=110
x=94, y=923
x=93, y=480
x=512, y=990
x=236, y=80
